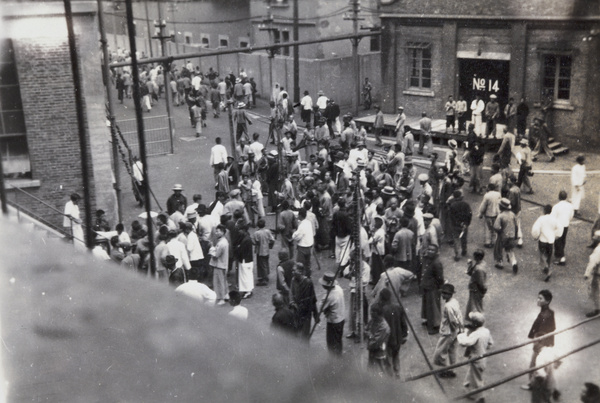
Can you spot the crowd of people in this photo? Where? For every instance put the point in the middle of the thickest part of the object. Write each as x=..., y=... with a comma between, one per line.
x=312, y=178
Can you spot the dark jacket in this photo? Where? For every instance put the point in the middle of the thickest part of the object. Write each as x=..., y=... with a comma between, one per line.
x=544, y=324
x=433, y=274
x=398, y=328
x=460, y=213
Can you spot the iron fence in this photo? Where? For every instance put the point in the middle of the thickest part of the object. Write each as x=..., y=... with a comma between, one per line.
x=156, y=129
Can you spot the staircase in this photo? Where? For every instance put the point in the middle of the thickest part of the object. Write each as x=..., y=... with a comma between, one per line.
x=39, y=230
x=557, y=147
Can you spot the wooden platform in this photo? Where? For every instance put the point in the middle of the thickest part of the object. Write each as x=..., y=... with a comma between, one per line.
x=438, y=129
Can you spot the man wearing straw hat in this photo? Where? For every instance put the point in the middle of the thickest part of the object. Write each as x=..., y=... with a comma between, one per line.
x=477, y=341
x=333, y=307
x=452, y=325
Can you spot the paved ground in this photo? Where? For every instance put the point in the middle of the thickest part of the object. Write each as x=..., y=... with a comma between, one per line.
x=510, y=303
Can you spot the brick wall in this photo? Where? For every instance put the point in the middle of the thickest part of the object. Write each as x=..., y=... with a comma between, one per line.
x=574, y=123
x=50, y=116
x=497, y=8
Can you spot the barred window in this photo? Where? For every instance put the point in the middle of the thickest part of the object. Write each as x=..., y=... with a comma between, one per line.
x=13, y=135
x=419, y=64
x=557, y=77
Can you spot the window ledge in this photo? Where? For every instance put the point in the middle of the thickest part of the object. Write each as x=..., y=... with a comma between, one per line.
x=420, y=93
x=564, y=106
x=558, y=105
x=22, y=183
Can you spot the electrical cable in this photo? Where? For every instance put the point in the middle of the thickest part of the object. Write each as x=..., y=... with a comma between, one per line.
x=502, y=350
x=527, y=371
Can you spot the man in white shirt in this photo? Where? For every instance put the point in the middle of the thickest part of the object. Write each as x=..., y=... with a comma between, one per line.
x=461, y=114
x=304, y=237
x=322, y=101
x=477, y=108
x=256, y=146
x=450, y=110
x=178, y=250
x=563, y=212
x=545, y=230
x=196, y=82
x=194, y=249
x=307, y=105
x=400, y=122
x=218, y=154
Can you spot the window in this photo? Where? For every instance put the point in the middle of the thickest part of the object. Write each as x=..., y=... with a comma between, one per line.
x=188, y=39
x=285, y=37
x=557, y=77
x=280, y=36
x=13, y=136
x=419, y=64
x=204, y=41
x=243, y=42
x=223, y=41
x=375, y=44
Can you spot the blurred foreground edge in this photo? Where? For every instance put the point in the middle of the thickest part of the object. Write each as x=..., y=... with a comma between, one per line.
x=78, y=330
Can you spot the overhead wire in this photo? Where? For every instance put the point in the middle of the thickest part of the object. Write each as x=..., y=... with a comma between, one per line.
x=527, y=371
x=500, y=351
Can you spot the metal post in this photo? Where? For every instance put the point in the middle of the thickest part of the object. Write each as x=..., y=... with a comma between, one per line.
x=140, y=129
x=173, y=8
x=83, y=143
x=231, y=130
x=2, y=189
x=167, y=69
x=358, y=296
x=111, y=114
x=148, y=27
x=115, y=7
x=355, y=41
x=296, y=56
x=271, y=75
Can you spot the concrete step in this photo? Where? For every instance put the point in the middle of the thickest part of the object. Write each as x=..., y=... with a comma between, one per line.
x=555, y=144
x=560, y=151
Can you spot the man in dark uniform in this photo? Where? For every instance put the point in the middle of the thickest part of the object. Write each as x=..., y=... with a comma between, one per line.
x=431, y=282
x=176, y=199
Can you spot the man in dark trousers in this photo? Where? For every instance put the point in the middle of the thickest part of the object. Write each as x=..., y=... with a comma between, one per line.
x=394, y=316
x=543, y=324
x=460, y=217
x=332, y=112
x=304, y=300
x=432, y=280
x=334, y=309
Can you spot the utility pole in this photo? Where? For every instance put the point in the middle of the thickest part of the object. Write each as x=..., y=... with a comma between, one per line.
x=82, y=132
x=111, y=114
x=172, y=9
x=160, y=25
x=358, y=263
x=355, y=41
x=135, y=74
x=267, y=25
x=296, y=56
x=148, y=27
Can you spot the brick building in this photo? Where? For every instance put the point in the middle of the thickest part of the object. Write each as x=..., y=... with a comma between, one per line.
x=317, y=19
x=39, y=139
x=534, y=48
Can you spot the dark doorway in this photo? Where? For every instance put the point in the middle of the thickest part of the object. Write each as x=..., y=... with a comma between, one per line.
x=483, y=77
